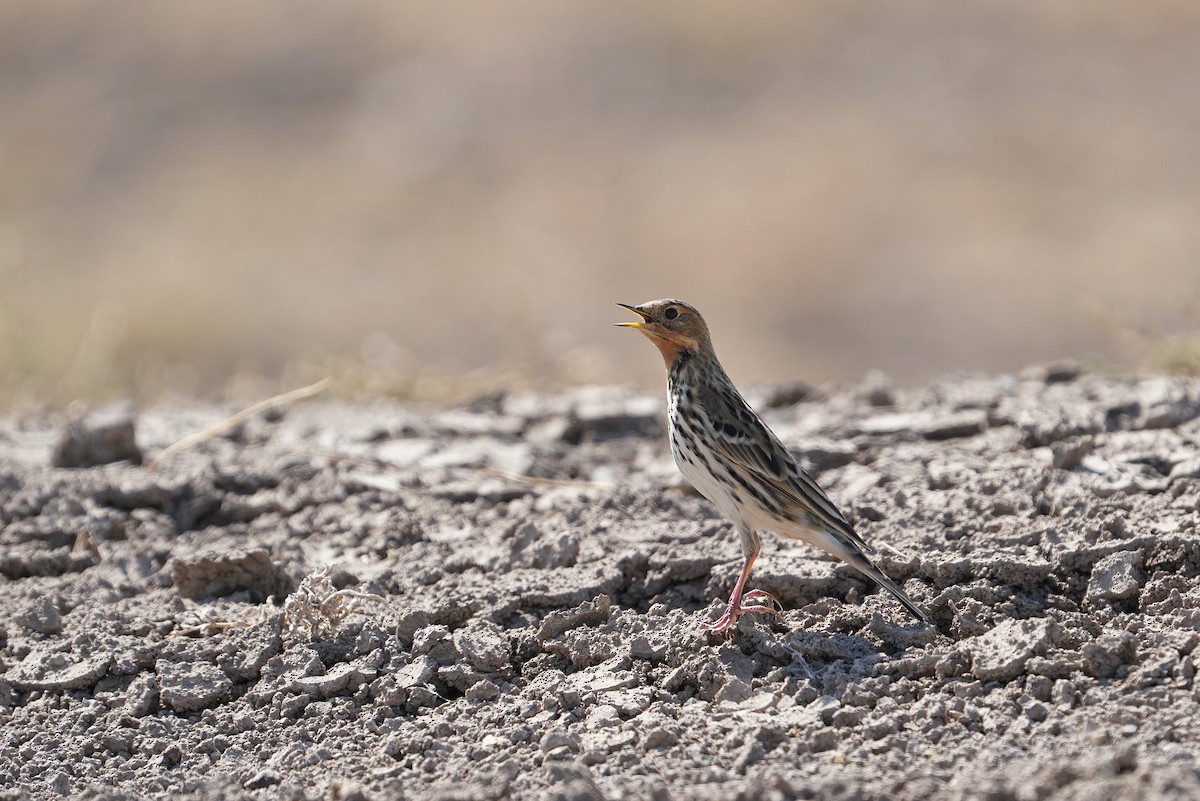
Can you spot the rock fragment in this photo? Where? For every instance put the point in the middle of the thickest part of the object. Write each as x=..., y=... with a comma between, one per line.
x=954, y=426
x=1188, y=468
x=885, y=424
x=187, y=687
x=333, y=681
x=99, y=437
x=415, y=674
x=1116, y=577
x=47, y=670
x=1062, y=372
x=1002, y=652
x=41, y=616
x=484, y=648
x=213, y=574
x=1107, y=654
x=928, y=425
x=1068, y=454
x=589, y=613
x=789, y=394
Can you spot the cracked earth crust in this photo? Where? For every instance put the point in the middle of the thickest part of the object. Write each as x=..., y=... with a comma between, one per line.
x=503, y=600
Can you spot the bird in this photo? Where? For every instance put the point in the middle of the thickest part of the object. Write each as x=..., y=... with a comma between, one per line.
x=732, y=458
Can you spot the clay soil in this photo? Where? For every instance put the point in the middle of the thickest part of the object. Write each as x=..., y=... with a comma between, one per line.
x=503, y=600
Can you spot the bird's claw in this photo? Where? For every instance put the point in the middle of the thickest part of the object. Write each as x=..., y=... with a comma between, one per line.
x=761, y=598
x=753, y=601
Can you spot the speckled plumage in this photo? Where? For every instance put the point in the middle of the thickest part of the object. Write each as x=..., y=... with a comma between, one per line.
x=732, y=458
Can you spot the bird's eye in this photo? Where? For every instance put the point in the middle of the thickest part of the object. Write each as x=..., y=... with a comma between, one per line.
x=671, y=313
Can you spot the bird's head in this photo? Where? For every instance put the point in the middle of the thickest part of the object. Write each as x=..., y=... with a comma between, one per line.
x=672, y=325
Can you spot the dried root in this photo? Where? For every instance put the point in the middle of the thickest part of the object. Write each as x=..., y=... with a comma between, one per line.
x=316, y=609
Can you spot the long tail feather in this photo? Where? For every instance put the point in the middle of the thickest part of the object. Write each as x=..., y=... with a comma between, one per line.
x=865, y=566
x=837, y=544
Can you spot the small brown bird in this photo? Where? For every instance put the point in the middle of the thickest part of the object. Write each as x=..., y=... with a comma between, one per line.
x=728, y=453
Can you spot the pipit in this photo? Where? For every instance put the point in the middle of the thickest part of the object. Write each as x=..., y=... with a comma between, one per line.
x=726, y=451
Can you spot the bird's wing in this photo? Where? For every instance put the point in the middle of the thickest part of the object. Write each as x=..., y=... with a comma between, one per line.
x=741, y=437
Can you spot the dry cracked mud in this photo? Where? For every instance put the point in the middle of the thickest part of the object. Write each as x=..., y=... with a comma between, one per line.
x=386, y=601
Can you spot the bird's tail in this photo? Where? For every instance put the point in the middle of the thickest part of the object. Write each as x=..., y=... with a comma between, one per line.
x=847, y=550
x=868, y=567
x=865, y=566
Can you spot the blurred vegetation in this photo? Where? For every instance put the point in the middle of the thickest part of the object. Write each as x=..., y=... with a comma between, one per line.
x=1170, y=351
x=1183, y=357
x=431, y=199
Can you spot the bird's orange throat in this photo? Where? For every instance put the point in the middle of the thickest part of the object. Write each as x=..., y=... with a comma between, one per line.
x=670, y=346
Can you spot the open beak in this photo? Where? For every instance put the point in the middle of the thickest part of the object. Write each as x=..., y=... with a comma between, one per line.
x=637, y=324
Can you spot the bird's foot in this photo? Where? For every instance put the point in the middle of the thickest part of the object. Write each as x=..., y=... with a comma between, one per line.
x=752, y=601
x=761, y=598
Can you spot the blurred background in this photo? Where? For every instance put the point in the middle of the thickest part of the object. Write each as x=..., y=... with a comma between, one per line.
x=427, y=198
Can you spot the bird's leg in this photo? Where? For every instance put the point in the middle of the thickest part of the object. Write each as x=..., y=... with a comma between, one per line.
x=741, y=601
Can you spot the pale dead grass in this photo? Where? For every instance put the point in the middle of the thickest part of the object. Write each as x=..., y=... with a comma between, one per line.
x=434, y=200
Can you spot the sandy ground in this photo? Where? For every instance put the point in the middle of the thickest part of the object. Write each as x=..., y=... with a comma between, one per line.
x=502, y=601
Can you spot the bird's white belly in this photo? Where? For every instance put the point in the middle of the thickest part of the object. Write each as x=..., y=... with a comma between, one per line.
x=704, y=481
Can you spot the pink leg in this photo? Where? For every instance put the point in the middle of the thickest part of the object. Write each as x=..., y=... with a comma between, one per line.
x=741, y=601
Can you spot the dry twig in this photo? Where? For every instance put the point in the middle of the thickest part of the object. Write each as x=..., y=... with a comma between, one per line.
x=230, y=423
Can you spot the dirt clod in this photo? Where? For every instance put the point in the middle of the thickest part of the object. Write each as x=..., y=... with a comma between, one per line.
x=216, y=573
x=98, y=437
